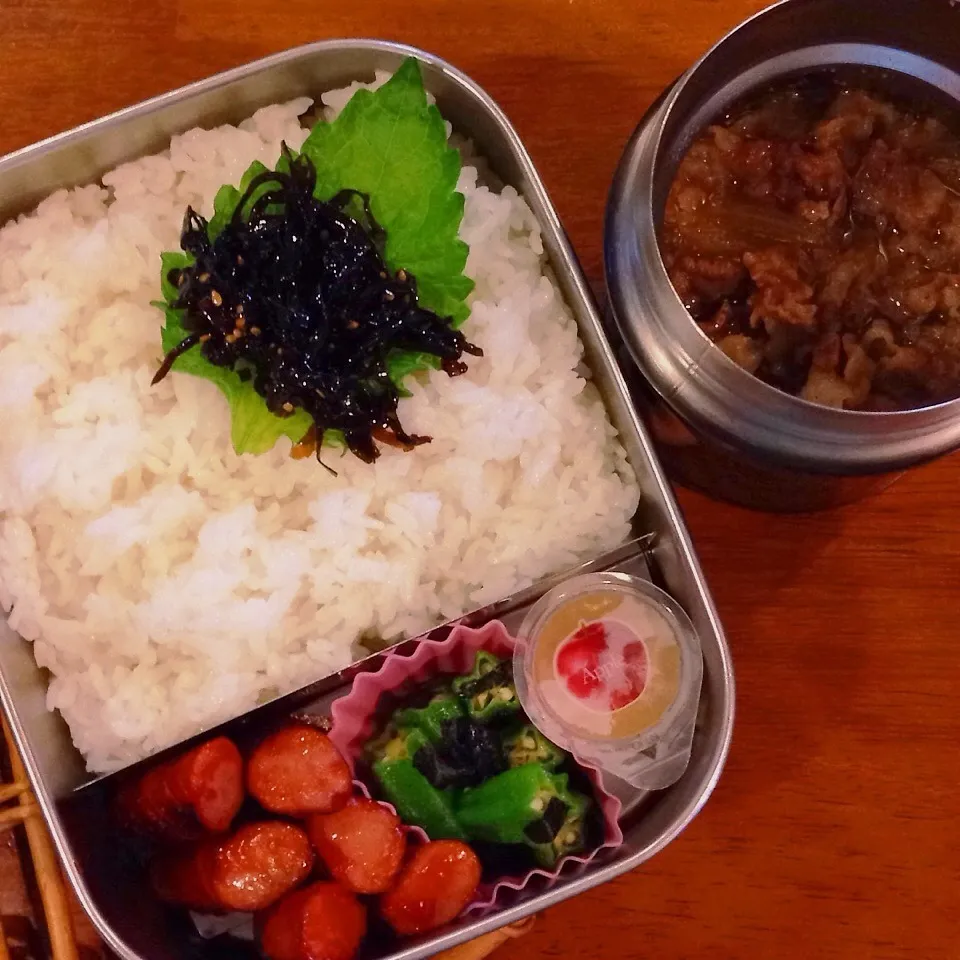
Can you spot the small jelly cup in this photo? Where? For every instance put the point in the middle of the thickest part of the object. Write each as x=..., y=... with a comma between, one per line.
x=609, y=667
x=354, y=722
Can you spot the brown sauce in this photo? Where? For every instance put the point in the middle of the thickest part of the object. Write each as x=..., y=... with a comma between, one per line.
x=814, y=236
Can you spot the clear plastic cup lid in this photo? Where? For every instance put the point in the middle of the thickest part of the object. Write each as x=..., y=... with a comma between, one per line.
x=609, y=667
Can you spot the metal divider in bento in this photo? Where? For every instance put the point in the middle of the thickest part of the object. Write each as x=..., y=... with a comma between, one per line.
x=87, y=818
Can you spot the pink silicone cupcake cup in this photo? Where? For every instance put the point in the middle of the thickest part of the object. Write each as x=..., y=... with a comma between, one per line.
x=354, y=723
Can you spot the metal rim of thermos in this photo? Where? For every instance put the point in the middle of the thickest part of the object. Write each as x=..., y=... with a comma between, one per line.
x=699, y=383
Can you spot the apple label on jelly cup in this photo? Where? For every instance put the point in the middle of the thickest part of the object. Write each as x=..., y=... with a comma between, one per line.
x=602, y=665
x=608, y=675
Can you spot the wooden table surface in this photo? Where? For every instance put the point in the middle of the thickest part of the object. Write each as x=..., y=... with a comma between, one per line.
x=835, y=831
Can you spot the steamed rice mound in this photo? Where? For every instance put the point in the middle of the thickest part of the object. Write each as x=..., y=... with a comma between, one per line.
x=167, y=583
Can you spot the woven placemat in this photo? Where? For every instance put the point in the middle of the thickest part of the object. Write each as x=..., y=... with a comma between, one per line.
x=42, y=881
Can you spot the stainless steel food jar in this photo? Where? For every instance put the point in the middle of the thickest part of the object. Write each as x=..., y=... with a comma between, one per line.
x=719, y=428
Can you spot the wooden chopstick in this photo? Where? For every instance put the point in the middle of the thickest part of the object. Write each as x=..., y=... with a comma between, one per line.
x=13, y=816
x=53, y=894
x=8, y=791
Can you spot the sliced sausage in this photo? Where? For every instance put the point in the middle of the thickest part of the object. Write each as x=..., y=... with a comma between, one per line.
x=197, y=792
x=437, y=883
x=209, y=780
x=321, y=922
x=362, y=845
x=298, y=771
x=250, y=870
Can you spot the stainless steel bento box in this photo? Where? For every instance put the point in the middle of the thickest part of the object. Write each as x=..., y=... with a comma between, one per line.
x=112, y=892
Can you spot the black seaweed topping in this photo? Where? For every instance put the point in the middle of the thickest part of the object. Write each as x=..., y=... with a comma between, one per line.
x=467, y=755
x=500, y=676
x=296, y=296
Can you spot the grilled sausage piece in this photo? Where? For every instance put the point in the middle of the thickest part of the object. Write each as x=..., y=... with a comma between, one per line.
x=436, y=884
x=195, y=793
x=250, y=870
x=321, y=922
x=298, y=771
x=362, y=845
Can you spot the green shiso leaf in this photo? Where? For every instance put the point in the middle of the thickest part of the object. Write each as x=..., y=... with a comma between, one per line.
x=392, y=145
x=254, y=429
x=402, y=363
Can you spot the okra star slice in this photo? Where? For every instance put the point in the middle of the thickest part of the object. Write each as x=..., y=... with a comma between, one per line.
x=395, y=744
x=484, y=663
x=529, y=745
x=571, y=836
x=488, y=690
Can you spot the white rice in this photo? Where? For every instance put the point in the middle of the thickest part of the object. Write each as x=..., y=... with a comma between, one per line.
x=168, y=583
